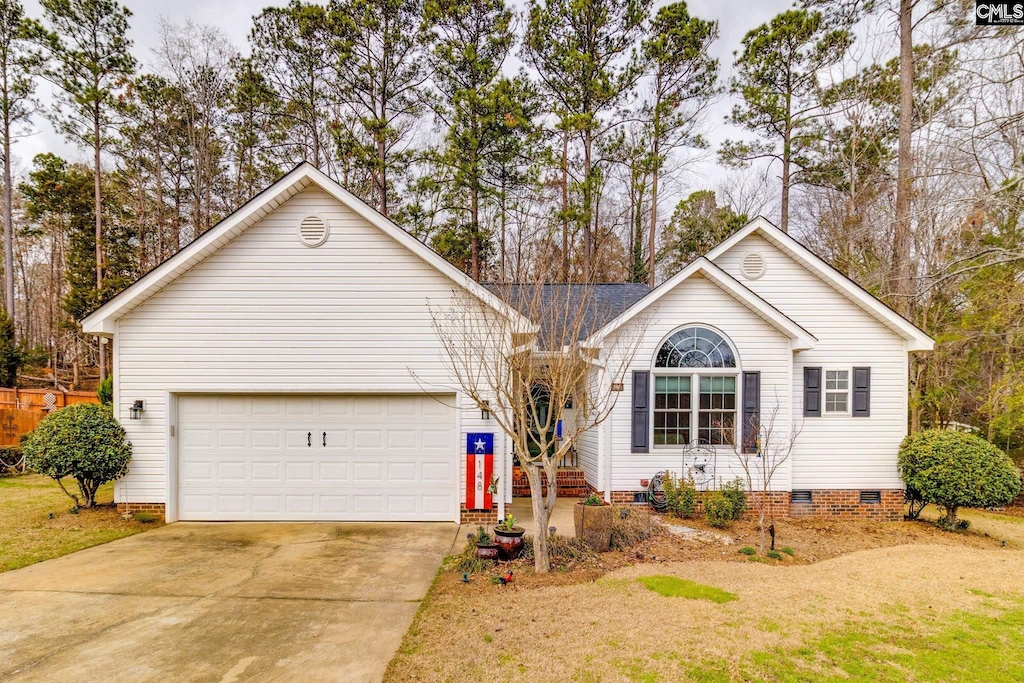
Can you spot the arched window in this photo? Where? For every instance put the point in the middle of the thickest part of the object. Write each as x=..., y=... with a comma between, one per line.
x=695, y=347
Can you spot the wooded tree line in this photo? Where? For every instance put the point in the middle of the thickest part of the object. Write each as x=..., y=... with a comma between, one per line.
x=884, y=134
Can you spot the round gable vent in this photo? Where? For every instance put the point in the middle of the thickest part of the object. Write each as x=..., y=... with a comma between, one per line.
x=753, y=266
x=313, y=231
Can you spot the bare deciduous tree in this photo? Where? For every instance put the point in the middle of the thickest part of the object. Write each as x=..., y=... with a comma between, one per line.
x=774, y=446
x=526, y=375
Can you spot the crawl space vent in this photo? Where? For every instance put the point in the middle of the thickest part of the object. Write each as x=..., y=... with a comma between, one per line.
x=753, y=266
x=871, y=496
x=313, y=231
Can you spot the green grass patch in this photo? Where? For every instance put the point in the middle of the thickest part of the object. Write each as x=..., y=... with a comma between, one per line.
x=674, y=587
x=747, y=550
x=789, y=551
x=36, y=523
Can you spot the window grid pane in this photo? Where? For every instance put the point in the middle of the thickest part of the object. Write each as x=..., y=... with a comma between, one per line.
x=717, y=419
x=671, y=411
x=837, y=386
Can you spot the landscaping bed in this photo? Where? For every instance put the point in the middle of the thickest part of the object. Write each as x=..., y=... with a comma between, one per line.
x=705, y=611
x=36, y=522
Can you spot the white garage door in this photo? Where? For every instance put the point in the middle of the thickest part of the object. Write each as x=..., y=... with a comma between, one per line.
x=382, y=458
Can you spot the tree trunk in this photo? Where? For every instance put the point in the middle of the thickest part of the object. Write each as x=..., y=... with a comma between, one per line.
x=588, y=210
x=98, y=208
x=565, y=206
x=541, y=563
x=654, y=206
x=8, y=223
x=899, y=284
x=474, y=238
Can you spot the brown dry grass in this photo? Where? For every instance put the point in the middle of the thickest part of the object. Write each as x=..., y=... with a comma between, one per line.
x=597, y=623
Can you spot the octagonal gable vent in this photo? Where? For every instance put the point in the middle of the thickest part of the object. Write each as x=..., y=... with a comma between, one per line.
x=753, y=266
x=313, y=231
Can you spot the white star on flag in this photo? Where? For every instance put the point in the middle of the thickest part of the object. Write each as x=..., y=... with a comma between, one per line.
x=479, y=445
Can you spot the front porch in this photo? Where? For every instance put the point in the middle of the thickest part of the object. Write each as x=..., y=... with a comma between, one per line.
x=570, y=483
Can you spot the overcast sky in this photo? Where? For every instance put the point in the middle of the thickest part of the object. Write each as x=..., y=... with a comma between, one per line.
x=234, y=18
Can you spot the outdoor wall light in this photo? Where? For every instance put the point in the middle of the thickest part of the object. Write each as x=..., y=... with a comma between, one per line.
x=485, y=414
x=135, y=412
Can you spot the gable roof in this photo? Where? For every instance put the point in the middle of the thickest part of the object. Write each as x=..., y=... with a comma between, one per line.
x=801, y=338
x=596, y=304
x=102, y=321
x=916, y=338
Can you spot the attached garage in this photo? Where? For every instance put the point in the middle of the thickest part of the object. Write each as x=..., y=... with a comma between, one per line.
x=309, y=458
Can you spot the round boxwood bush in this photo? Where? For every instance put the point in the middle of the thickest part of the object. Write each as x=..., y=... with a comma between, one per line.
x=82, y=441
x=957, y=469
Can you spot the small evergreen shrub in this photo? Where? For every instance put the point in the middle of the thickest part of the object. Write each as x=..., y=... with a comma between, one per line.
x=957, y=469
x=718, y=510
x=775, y=555
x=789, y=551
x=105, y=391
x=747, y=550
x=680, y=495
x=82, y=441
x=737, y=497
x=145, y=517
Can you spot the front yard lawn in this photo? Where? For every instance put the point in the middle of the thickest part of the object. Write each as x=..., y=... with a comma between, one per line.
x=36, y=525
x=857, y=602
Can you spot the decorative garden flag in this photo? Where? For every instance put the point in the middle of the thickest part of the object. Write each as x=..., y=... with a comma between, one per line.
x=479, y=470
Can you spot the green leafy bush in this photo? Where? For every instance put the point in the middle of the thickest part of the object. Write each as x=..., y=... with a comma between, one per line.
x=774, y=555
x=105, y=391
x=789, y=551
x=82, y=441
x=718, y=509
x=957, y=469
x=680, y=495
x=737, y=497
x=747, y=550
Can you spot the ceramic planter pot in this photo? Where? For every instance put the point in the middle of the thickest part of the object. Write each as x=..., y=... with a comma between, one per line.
x=510, y=543
x=594, y=525
x=488, y=551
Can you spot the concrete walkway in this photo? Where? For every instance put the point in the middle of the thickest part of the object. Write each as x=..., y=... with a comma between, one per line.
x=221, y=602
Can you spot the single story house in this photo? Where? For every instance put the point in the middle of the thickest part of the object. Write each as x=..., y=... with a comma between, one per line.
x=283, y=366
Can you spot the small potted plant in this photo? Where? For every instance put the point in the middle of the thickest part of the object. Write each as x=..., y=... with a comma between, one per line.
x=486, y=548
x=593, y=518
x=509, y=538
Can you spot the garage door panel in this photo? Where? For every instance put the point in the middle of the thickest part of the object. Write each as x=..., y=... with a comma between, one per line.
x=263, y=458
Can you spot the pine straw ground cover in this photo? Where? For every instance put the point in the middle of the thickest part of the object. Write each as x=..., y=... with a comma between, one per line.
x=858, y=601
x=36, y=525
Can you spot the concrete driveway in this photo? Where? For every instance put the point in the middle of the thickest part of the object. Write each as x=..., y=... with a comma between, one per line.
x=221, y=602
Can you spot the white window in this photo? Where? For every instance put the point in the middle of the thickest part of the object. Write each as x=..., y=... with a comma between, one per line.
x=837, y=391
x=695, y=405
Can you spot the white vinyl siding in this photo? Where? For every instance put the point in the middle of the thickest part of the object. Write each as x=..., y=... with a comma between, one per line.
x=266, y=314
x=835, y=450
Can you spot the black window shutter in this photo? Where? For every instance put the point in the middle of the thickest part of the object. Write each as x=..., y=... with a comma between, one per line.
x=641, y=412
x=812, y=392
x=751, y=410
x=862, y=392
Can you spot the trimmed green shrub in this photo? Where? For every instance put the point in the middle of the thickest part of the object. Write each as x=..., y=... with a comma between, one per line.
x=775, y=555
x=789, y=551
x=680, y=495
x=82, y=441
x=718, y=510
x=747, y=550
x=957, y=469
x=737, y=497
x=105, y=391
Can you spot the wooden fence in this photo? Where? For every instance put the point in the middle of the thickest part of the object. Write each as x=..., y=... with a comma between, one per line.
x=22, y=409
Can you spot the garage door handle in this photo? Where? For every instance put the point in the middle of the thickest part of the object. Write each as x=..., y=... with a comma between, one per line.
x=309, y=439
x=325, y=439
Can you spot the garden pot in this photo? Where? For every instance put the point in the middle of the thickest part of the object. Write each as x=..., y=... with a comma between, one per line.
x=594, y=525
x=488, y=551
x=510, y=543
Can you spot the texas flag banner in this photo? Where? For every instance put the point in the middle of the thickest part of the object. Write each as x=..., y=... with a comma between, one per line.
x=479, y=470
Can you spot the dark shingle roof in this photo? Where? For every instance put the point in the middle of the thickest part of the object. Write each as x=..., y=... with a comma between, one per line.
x=598, y=304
